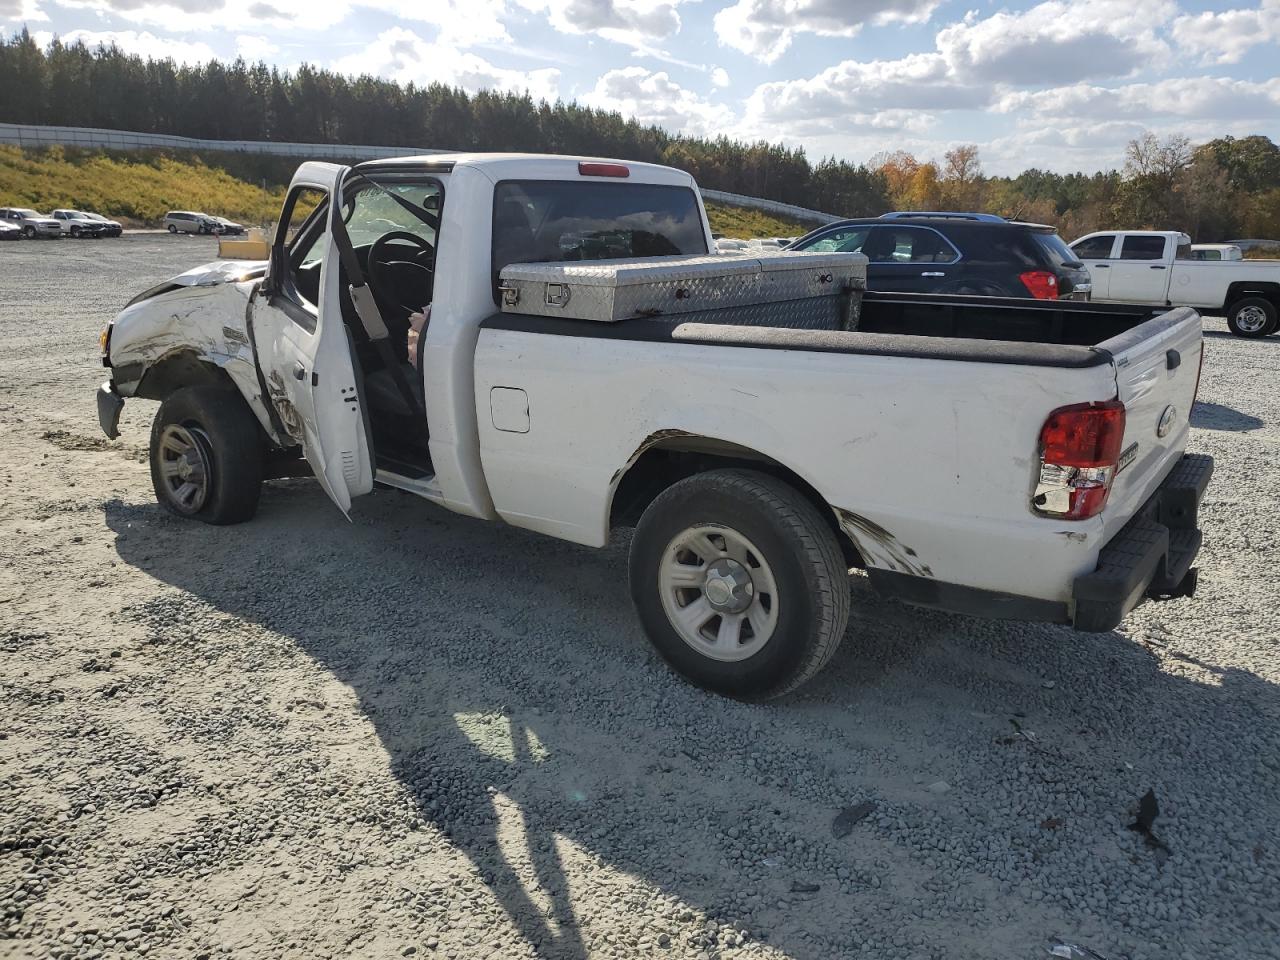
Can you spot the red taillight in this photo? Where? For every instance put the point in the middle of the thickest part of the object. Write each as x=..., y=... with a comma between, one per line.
x=1079, y=455
x=588, y=169
x=1042, y=284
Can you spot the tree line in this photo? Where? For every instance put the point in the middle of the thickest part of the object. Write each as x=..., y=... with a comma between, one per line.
x=1225, y=188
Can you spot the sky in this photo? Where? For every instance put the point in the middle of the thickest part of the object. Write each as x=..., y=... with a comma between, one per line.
x=1060, y=85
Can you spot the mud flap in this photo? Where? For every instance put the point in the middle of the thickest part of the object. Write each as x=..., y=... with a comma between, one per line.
x=110, y=404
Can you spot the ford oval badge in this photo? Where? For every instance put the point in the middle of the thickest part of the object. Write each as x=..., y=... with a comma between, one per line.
x=1166, y=421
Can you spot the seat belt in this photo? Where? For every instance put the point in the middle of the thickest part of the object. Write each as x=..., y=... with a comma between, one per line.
x=366, y=307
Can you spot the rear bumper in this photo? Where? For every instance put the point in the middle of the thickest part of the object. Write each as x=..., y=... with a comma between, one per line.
x=1151, y=556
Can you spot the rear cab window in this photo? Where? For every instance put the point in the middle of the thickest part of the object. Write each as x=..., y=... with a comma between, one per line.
x=548, y=221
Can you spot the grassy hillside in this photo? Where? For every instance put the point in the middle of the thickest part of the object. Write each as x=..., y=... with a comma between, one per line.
x=139, y=186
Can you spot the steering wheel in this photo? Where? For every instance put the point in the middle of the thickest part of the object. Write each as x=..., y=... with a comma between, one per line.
x=383, y=270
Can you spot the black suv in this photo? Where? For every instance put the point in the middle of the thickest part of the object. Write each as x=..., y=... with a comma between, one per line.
x=974, y=253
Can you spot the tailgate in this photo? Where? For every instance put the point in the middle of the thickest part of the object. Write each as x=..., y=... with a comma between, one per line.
x=1157, y=367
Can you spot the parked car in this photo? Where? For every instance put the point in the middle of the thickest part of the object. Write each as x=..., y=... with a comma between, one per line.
x=1155, y=267
x=76, y=224
x=973, y=253
x=32, y=224
x=1215, y=251
x=577, y=396
x=10, y=231
x=187, y=221
x=113, y=227
x=227, y=227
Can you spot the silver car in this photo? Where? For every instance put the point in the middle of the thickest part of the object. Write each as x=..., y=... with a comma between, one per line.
x=187, y=221
x=31, y=224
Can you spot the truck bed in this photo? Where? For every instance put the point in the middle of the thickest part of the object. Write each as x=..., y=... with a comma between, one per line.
x=937, y=326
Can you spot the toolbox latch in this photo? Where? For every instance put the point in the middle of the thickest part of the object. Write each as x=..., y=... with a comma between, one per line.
x=557, y=294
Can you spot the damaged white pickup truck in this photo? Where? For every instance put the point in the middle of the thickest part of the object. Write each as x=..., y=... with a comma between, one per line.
x=543, y=340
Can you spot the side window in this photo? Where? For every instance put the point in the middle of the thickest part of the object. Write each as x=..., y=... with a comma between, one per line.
x=846, y=240
x=908, y=245
x=1184, y=252
x=1095, y=248
x=1142, y=248
x=305, y=243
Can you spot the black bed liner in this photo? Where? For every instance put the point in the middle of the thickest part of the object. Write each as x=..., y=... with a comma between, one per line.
x=925, y=326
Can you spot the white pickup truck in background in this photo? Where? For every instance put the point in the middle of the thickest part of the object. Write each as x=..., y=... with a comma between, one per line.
x=761, y=423
x=1159, y=268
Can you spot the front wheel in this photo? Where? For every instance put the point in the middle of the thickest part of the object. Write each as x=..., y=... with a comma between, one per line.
x=739, y=583
x=29, y=232
x=207, y=455
x=1252, y=317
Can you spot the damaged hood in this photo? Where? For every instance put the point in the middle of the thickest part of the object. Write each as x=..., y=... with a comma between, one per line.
x=209, y=275
x=220, y=271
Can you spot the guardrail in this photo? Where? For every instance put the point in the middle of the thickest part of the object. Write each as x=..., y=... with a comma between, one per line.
x=31, y=135
x=770, y=206
x=35, y=135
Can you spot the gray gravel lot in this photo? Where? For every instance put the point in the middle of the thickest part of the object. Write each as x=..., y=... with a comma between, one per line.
x=422, y=735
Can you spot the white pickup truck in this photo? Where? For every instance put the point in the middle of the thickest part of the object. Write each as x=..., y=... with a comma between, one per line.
x=1160, y=268
x=1001, y=458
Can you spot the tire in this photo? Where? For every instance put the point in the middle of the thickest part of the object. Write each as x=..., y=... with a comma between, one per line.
x=172, y=228
x=1253, y=317
x=29, y=232
x=212, y=431
x=75, y=232
x=798, y=566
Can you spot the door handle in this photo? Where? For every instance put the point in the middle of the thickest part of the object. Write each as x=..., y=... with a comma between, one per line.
x=299, y=372
x=1101, y=266
x=933, y=273
x=1156, y=266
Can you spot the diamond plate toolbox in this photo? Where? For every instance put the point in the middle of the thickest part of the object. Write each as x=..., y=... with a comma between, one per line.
x=611, y=290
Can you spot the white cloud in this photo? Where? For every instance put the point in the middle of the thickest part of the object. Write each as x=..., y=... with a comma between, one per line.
x=720, y=77
x=764, y=29
x=461, y=23
x=26, y=11
x=1192, y=98
x=1226, y=37
x=975, y=63
x=653, y=98
x=636, y=23
x=216, y=15
x=255, y=48
x=143, y=44
x=400, y=54
x=1059, y=41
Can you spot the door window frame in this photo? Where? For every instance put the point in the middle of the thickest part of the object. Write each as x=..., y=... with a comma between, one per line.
x=910, y=263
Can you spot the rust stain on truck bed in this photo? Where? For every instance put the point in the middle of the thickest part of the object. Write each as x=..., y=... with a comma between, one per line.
x=878, y=546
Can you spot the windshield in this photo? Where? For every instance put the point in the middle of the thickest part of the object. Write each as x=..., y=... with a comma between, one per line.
x=1058, y=252
x=25, y=213
x=539, y=221
x=372, y=210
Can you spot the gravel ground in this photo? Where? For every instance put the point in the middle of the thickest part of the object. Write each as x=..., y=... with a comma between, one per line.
x=422, y=735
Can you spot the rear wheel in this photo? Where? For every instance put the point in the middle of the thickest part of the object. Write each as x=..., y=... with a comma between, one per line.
x=1252, y=317
x=739, y=583
x=172, y=228
x=207, y=455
